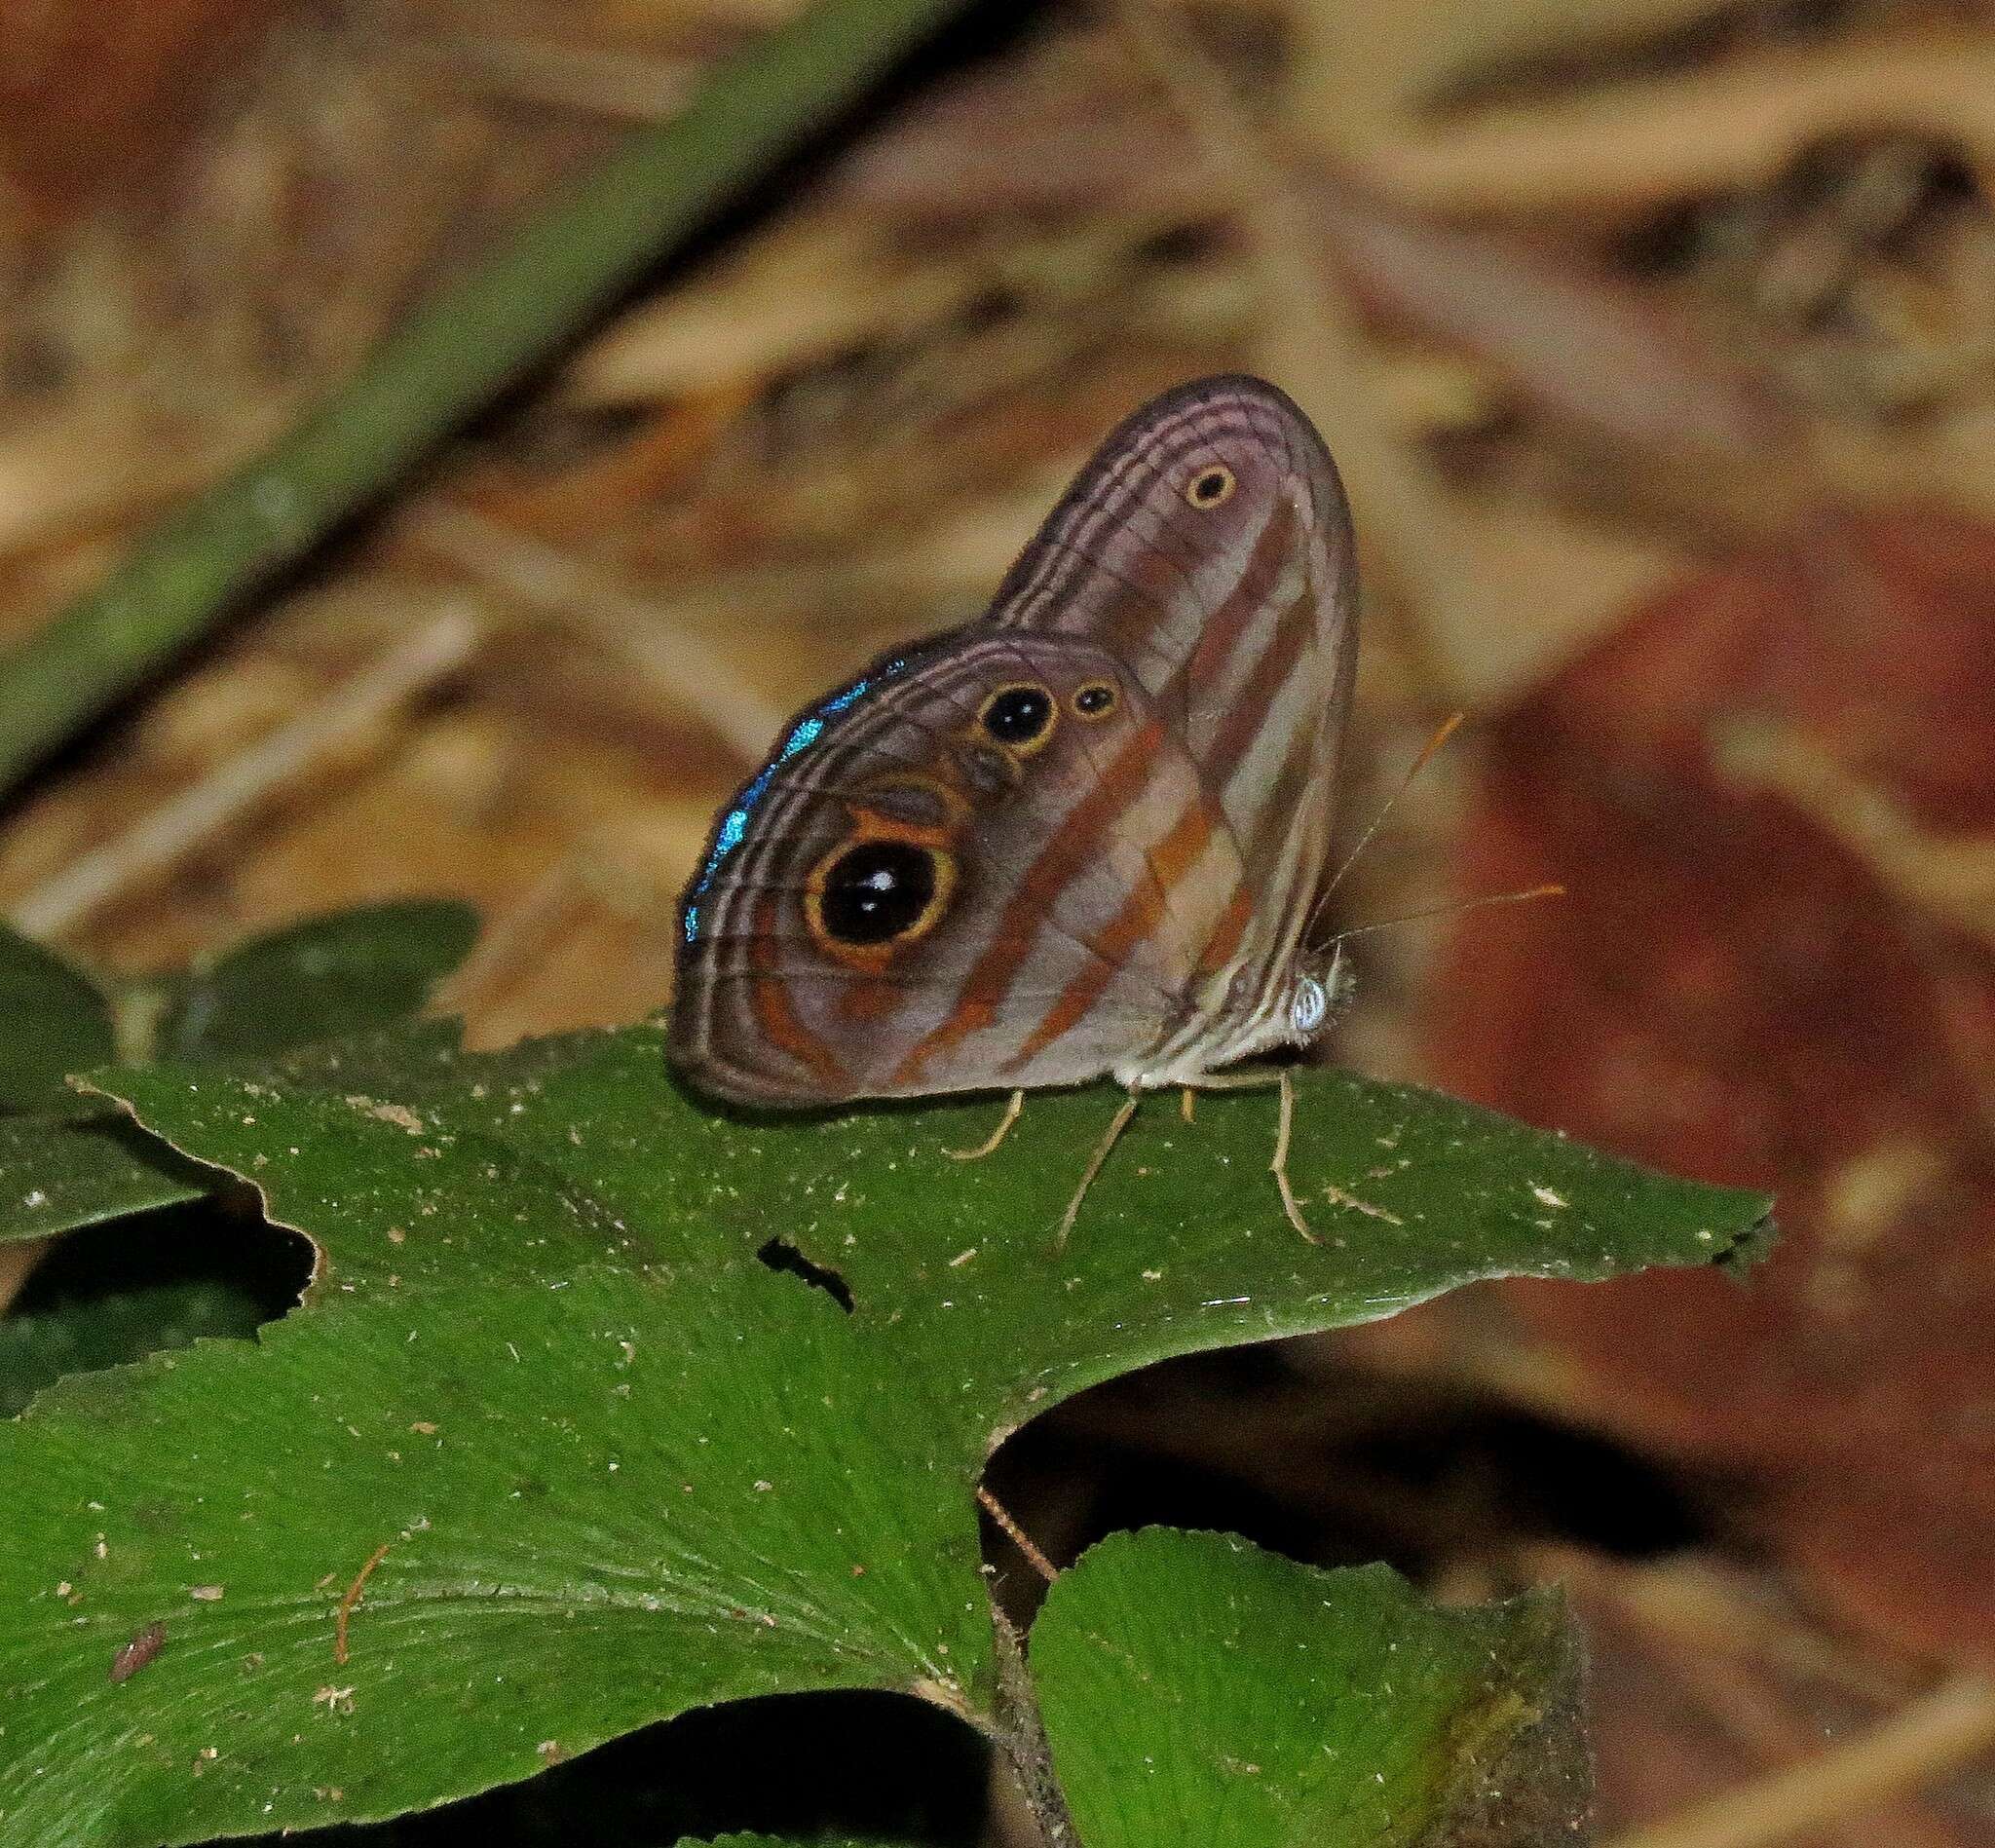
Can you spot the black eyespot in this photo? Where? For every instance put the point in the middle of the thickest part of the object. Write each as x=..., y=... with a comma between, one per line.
x=1095, y=701
x=877, y=891
x=1210, y=487
x=1018, y=715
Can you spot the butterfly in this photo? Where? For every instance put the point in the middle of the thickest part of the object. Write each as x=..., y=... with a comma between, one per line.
x=1083, y=835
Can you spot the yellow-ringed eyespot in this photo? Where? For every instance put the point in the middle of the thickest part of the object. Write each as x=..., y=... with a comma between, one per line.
x=1095, y=701
x=1020, y=717
x=875, y=894
x=1212, y=486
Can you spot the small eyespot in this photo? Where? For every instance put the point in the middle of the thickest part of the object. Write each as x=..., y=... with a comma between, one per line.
x=984, y=770
x=877, y=891
x=1210, y=487
x=1018, y=716
x=1095, y=701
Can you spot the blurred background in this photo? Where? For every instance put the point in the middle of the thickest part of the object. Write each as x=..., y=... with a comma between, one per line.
x=1656, y=340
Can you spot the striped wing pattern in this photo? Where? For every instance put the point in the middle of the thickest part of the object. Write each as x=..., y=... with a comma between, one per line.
x=1081, y=835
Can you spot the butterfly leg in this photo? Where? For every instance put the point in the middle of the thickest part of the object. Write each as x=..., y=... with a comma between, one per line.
x=988, y=1146
x=1285, y=1123
x=1185, y=1096
x=1120, y=1122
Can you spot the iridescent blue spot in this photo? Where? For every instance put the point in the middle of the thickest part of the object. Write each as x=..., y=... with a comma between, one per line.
x=726, y=841
x=805, y=734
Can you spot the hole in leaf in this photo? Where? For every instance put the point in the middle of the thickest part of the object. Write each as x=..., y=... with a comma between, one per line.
x=868, y=1765
x=1340, y=1467
x=779, y=1253
x=114, y=1293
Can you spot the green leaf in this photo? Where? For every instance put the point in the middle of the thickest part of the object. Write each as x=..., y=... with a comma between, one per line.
x=56, y=1022
x=1196, y=1688
x=622, y=1467
x=75, y=1162
x=322, y=979
x=59, y=1173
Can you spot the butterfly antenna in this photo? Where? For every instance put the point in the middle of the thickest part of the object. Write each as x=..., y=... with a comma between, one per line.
x=1454, y=910
x=1428, y=752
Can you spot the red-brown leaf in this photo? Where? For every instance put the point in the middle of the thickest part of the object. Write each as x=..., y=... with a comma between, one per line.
x=1757, y=984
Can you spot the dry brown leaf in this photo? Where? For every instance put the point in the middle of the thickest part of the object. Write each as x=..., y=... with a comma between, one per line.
x=1732, y=991
x=91, y=96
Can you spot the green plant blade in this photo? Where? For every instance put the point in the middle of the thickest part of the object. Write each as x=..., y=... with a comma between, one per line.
x=58, y=1173
x=73, y=1162
x=66, y=1161
x=600, y=1504
x=1196, y=1688
x=325, y=978
x=1180, y=1245
x=621, y=1466
x=57, y=1022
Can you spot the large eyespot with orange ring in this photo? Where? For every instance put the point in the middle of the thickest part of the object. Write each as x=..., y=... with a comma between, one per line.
x=1212, y=486
x=872, y=896
x=1094, y=699
x=1019, y=716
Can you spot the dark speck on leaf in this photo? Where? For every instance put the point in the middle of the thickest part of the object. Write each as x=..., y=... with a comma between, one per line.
x=136, y=1653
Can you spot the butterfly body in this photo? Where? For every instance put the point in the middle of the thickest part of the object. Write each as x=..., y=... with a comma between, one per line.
x=1080, y=836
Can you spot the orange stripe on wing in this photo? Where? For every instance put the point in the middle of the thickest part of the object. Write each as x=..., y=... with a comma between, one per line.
x=869, y=998
x=1224, y=940
x=774, y=1013
x=1175, y=856
x=990, y=979
x=1232, y=930
x=1242, y=727
x=1272, y=552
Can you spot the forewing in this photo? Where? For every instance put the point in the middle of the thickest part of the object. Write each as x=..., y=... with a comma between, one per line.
x=1209, y=546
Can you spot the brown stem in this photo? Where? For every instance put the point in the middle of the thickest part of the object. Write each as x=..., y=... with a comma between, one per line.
x=1021, y=1738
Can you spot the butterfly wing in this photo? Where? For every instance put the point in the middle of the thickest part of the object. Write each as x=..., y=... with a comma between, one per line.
x=1077, y=836
x=948, y=879
x=1209, y=546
